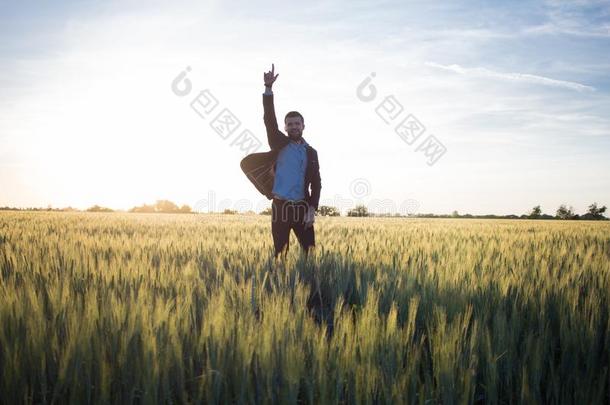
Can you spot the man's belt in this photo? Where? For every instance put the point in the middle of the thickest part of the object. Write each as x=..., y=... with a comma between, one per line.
x=289, y=202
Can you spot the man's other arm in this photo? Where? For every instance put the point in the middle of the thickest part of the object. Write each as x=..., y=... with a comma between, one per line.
x=316, y=182
x=275, y=137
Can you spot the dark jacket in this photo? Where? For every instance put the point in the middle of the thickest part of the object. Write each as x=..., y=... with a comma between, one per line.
x=260, y=167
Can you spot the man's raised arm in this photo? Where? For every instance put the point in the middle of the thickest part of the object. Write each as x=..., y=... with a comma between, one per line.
x=274, y=135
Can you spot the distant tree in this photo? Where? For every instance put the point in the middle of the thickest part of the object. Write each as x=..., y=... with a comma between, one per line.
x=266, y=211
x=595, y=212
x=229, y=211
x=328, y=211
x=535, y=212
x=165, y=206
x=358, y=211
x=565, y=213
x=144, y=208
x=97, y=208
x=455, y=214
x=185, y=209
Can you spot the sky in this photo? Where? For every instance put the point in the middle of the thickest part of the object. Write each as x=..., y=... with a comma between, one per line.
x=413, y=106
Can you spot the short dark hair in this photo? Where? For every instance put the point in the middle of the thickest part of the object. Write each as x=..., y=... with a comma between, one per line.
x=294, y=114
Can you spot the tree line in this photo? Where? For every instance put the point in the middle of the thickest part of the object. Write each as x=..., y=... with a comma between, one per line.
x=594, y=212
x=161, y=206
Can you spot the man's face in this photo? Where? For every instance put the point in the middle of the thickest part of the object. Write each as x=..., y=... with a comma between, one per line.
x=294, y=127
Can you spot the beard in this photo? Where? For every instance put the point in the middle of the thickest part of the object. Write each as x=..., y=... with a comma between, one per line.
x=296, y=135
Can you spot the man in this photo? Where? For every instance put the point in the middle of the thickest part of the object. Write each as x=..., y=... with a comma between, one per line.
x=285, y=175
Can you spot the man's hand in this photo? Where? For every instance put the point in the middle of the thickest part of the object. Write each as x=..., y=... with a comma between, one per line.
x=310, y=217
x=270, y=77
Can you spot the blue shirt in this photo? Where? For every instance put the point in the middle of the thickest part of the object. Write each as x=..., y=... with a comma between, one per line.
x=289, y=182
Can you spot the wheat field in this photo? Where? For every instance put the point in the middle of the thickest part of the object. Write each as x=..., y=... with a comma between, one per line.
x=159, y=308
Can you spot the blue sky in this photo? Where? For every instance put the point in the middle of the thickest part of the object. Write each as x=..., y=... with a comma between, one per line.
x=518, y=93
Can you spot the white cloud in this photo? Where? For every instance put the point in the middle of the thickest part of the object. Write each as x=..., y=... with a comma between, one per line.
x=519, y=77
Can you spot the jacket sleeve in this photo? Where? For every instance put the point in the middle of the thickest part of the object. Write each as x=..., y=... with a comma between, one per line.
x=316, y=182
x=276, y=138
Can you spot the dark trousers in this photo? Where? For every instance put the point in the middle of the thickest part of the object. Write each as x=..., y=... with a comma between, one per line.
x=287, y=215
